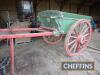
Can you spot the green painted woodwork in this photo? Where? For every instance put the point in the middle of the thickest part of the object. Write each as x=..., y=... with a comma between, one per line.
x=62, y=21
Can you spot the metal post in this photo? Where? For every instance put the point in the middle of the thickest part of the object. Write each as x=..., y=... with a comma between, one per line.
x=12, y=55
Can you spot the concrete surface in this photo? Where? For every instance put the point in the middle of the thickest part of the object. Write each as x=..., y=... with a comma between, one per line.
x=39, y=58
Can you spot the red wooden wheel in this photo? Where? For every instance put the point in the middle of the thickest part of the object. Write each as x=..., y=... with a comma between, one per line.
x=78, y=37
x=52, y=39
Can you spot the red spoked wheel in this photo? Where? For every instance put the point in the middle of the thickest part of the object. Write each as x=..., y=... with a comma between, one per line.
x=52, y=39
x=78, y=37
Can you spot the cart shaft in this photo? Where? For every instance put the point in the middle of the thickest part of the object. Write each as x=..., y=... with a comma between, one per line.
x=12, y=36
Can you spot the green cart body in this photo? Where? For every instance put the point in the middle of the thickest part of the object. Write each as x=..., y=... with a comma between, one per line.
x=69, y=24
x=62, y=21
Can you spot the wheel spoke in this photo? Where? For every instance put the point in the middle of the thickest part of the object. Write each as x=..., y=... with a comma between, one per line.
x=75, y=48
x=79, y=28
x=72, y=46
x=52, y=39
x=73, y=37
x=85, y=35
x=85, y=40
x=76, y=32
x=83, y=28
x=85, y=31
x=71, y=42
x=79, y=47
x=48, y=37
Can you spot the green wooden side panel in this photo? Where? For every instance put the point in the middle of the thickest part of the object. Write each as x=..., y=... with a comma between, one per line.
x=48, y=22
x=65, y=25
x=62, y=21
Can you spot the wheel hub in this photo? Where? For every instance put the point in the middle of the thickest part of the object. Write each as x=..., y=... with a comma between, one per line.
x=81, y=39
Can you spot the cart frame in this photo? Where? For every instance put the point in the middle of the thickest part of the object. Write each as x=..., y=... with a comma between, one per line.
x=44, y=31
